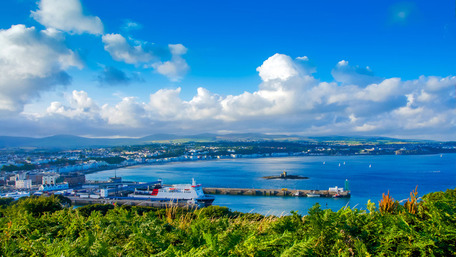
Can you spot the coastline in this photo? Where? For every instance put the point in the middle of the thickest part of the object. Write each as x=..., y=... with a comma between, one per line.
x=165, y=162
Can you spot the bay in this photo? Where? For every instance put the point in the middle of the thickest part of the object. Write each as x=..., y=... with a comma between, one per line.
x=369, y=177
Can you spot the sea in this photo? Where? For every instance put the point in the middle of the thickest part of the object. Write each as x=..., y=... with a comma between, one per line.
x=369, y=177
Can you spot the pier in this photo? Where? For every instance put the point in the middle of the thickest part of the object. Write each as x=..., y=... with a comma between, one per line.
x=275, y=192
x=133, y=202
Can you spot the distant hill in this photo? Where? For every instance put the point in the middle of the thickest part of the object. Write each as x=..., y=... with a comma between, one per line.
x=72, y=142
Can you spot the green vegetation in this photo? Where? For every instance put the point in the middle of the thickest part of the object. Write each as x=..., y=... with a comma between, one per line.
x=11, y=167
x=43, y=227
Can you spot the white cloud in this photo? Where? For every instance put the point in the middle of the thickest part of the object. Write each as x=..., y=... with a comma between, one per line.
x=278, y=66
x=31, y=62
x=81, y=106
x=177, y=49
x=120, y=50
x=302, y=58
x=287, y=101
x=381, y=92
x=177, y=67
x=128, y=113
x=167, y=105
x=67, y=16
x=205, y=105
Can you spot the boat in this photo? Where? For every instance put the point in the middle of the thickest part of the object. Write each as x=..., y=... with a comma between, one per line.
x=313, y=194
x=15, y=195
x=192, y=193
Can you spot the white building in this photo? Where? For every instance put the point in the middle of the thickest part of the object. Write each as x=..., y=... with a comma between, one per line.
x=49, y=180
x=20, y=176
x=336, y=190
x=24, y=183
x=56, y=187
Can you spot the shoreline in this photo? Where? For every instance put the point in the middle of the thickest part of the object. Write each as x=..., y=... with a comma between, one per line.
x=238, y=158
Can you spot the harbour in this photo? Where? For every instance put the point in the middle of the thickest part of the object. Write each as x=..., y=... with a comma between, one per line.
x=366, y=183
x=155, y=194
x=278, y=192
x=241, y=184
x=164, y=203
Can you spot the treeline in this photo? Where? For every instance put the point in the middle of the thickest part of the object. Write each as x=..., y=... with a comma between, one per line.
x=45, y=227
x=11, y=167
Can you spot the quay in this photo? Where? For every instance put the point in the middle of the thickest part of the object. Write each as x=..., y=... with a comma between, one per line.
x=133, y=202
x=332, y=192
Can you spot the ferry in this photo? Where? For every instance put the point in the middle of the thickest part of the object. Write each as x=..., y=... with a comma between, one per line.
x=192, y=193
x=15, y=195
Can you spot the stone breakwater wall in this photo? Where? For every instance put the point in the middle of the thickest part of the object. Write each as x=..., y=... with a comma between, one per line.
x=271, y=192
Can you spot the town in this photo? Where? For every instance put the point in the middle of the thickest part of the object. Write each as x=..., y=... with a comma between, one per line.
x=48, y=170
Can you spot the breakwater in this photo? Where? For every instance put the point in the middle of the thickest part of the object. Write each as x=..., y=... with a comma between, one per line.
x=275, y=192
x=78, y=201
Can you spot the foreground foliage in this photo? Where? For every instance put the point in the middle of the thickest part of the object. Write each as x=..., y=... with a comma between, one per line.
x=43, y=227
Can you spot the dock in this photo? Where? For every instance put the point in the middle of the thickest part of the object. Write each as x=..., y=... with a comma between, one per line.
x=160, y=203
x=133, y=202
x=273, y=192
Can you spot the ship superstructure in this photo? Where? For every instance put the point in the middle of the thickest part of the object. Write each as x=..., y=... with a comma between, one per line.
x=192, y=193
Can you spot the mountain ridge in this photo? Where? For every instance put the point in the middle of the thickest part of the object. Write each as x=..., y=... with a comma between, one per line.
x=72, y=141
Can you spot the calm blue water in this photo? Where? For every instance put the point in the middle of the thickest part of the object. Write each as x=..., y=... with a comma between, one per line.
x=399, y=174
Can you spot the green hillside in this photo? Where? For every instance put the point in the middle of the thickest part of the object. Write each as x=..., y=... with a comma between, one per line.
x=42, y=227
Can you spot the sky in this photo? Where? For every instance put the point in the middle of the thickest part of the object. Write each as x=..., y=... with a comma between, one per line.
x=112, y=68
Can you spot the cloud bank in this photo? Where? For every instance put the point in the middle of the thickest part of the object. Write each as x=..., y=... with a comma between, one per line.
x=289, y=100
x=31, y=62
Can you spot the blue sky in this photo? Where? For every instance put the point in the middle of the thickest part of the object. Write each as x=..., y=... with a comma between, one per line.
x=108, y=68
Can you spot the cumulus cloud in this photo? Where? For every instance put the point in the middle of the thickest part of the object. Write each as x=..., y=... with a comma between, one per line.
x=81, y=106
x=177, y=67
x=67, y=16
x=278, y=66
x=31, y=62
x=127, y=113
x=121, y=50
x=287, y=101
x=149, y=55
